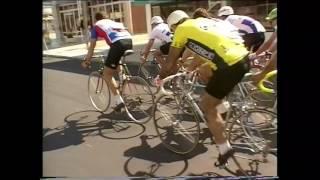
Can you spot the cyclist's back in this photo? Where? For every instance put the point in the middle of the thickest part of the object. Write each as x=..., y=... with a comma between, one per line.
x=246, y=24
x=110, y=30
x=206, y=38
x=162, y=32
x=251, y=30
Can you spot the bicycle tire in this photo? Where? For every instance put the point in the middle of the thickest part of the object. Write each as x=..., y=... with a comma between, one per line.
x=148, y=72
x=138, y=99
x=259, y=133
x=98, y=91
x=176, y=136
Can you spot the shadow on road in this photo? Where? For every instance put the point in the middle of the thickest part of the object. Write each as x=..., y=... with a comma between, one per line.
x=74, y=66
x=254, y=170
x=82, y=124
x=159, y=156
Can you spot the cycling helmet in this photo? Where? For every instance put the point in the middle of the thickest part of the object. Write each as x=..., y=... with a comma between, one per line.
x=175, y=17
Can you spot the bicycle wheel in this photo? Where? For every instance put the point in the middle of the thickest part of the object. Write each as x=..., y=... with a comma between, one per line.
x=261, y=128
x=138, y=99
x=179, y=132
x=149, y=70
x=99, y=93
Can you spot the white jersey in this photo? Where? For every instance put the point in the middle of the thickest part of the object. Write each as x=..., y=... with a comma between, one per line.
x=110, y=30
x=225, y=28
x=162, y=33
x=246, y=24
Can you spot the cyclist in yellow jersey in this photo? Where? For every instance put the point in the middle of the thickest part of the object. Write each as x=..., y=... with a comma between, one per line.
x=225, y=57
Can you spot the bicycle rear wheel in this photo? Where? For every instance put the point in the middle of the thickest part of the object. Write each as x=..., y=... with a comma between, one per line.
x=138, y=99
x=98, y=90
x=149, y=70
x=178, y=131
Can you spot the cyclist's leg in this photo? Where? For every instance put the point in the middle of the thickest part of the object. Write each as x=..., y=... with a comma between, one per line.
x=116, y=52
x=220, y=84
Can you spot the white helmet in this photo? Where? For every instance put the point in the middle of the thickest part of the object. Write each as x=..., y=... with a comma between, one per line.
x=156, y=20
x=175, y=17
x=225, y=10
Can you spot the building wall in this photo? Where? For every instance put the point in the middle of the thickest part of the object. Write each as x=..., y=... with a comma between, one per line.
x=139, y=19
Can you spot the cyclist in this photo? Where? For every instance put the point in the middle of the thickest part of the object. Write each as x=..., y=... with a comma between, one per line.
x=119, y=40
x=271, y=46
x=160, y=31
x=223, y=59
x=252, y=30
x=226, y=27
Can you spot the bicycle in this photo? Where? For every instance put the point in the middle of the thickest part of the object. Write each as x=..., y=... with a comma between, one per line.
x=149, y=70
x=180, y=130
x=134, y=90
x=250, y=126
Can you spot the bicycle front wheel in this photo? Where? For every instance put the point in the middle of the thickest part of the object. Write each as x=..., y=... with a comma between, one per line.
x=138, y=99
x=178, y=131
x=98, y=90
x=260, y=126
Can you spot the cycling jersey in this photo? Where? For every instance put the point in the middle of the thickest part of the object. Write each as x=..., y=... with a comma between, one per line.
x=209, y=39
x=161, y=32
x=246, y=24
x=110, y=30
x=228, y=29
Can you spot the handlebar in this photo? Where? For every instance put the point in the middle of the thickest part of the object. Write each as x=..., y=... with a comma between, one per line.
x=184, y=73
x=267, y=76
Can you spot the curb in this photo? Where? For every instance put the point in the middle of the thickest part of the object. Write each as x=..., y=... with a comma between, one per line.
x=62, y=57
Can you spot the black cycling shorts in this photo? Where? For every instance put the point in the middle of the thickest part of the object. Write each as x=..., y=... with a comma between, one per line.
x=253, y=40
x=165, y=48
x=223, y=80
x=116, y=52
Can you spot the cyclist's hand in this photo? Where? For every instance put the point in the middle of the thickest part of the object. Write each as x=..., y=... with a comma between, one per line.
x=86, y=64
x=157, y=81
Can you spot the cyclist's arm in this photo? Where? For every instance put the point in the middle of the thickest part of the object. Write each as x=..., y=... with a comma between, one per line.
x=147, y=48
x=272, y=65
x=265, y=46
x=91, y=49
x=273, y=47
x=93, y=40
x=176, y=48
x=171, y=66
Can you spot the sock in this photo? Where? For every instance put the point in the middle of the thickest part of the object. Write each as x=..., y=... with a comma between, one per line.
x=223, y=148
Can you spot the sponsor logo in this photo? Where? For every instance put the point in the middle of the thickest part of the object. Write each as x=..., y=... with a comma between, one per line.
x=201, y=51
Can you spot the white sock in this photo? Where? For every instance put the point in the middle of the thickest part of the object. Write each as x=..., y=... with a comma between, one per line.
x=223, y=148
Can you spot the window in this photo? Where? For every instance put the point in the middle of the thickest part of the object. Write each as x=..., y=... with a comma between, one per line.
x=116, y=8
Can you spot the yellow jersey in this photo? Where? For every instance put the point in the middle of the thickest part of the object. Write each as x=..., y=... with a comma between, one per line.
x=212, y=41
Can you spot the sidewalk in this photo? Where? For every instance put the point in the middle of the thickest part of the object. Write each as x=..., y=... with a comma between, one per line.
x=81, y=50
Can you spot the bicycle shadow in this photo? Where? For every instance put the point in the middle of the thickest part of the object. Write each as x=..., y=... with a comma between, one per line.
x=73, y=65
x=253, y=171
x=123, y=115
x=82, y=124
x=159, y=156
